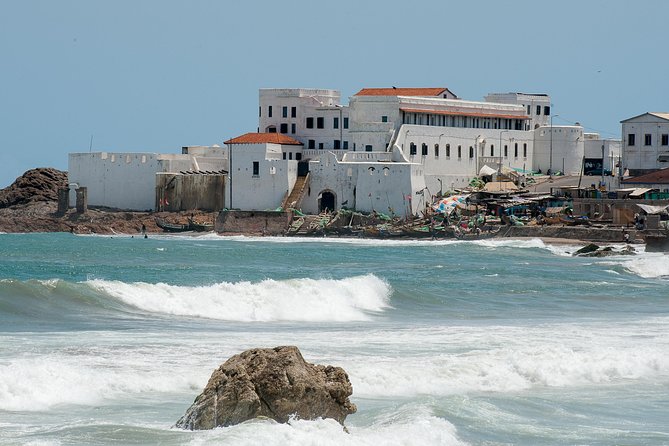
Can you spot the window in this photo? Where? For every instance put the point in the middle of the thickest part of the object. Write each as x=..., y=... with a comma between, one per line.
x=284, y=155
x=292, y=128
x=269, y=111
x=290, y=155
x=538, y=110
x=320, y=146
x=284, y=111
x=647, y=139
x=335, y=123
x=547, y=110
x=293, y=112
x=337, y=144
x=630, y=139
x=528, y=110
x=384, y=119
x=256, y=168
x=471, y=151
x=524, y=150
x=423, y=149
x=665, y=139
x=311, y=144
x=436, y=150
x=298, y=156
x=412, y=149
x=515, y=150
x=310, y=123
x=459, y=151
x=448, y=150
x=346, y=122
x=320, y=122
x=284, y=128
x=492, y=150
x=368, y=148
x=271, y=129
x=259, y=111
x=345, y=145
x=506, y=151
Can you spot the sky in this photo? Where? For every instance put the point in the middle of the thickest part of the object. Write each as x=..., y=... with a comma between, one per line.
x=156, y=75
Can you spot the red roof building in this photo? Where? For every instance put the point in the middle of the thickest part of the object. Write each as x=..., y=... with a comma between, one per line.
x=264, y=138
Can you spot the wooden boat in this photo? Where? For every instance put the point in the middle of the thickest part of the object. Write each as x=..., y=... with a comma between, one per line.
x=476, y=235
x=181, y=227
x=172, y=227
x=200, y=227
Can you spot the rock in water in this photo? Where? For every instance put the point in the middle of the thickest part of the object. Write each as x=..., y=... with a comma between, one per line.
x=273, y=383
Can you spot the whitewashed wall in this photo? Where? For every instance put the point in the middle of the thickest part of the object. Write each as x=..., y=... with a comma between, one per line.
x=266, y=190
x=366, y=181
x=568, y=149
x=640, y=155
x=128, y=180
x=313, y=103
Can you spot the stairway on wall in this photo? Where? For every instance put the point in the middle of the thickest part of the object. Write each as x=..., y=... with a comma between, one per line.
x=294, y=199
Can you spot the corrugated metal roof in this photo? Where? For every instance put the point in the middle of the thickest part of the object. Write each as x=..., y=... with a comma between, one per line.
x=264, y=138
x=401, y=92
x=657, y=177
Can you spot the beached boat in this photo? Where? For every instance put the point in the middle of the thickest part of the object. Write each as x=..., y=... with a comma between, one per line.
x=184, y=227
x=200, y=227
x=172, y=227
x=477, y=235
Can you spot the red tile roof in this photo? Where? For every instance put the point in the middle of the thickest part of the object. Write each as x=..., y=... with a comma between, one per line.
x=657, y=177
x=464, y=113
x=402, y=92
x=264, y=138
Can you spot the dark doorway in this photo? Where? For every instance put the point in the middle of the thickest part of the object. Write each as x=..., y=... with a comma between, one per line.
x=327, y=201
x=302, y=167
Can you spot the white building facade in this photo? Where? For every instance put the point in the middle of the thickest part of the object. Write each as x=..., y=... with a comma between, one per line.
x=314, y=117
x=645, y=140
x=128, y=180
x=263, y=170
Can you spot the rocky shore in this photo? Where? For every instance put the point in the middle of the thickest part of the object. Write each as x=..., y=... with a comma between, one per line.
x=30, y=204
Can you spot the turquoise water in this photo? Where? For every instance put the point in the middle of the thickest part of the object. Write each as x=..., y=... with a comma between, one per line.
x=107, y=340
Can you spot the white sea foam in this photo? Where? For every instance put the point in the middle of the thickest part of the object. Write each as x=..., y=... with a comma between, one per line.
x=38, y=384
x=397, y=428
x=648, y=265
x=513, y=359
x=349, y=299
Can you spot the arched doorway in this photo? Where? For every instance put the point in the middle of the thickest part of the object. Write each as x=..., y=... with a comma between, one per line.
x=326, y=201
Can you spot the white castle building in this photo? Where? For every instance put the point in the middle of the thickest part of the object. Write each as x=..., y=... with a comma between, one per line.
x=389, y=150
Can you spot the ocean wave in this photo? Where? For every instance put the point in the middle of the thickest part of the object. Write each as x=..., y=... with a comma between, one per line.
x=38, y=384
x=349, y=299
x=407, y=426
x=509, y=359
x=648, y=266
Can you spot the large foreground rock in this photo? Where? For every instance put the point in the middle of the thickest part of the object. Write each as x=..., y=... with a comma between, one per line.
x=274, y=383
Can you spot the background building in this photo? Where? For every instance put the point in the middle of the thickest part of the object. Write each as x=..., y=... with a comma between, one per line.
x=645, y=143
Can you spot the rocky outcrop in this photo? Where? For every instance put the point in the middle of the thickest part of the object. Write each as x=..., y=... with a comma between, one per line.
x=40, y=184
x=273, y=383
x=593, y=250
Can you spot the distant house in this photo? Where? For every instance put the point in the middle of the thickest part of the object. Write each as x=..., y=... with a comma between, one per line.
x=658, y=179
x=645, y=143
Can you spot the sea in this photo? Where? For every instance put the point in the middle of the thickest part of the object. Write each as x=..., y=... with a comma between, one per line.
x=108, y=339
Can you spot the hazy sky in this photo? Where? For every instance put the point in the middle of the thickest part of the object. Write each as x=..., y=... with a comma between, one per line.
x=155, y=75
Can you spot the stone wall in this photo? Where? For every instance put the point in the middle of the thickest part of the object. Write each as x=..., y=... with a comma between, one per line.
x=253, y=222
x=571, y=232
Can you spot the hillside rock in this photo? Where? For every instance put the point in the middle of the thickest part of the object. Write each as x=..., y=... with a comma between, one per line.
x=274, y=383
x=39, y=184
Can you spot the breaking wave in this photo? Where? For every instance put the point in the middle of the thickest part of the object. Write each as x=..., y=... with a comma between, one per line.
x=349, y=299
